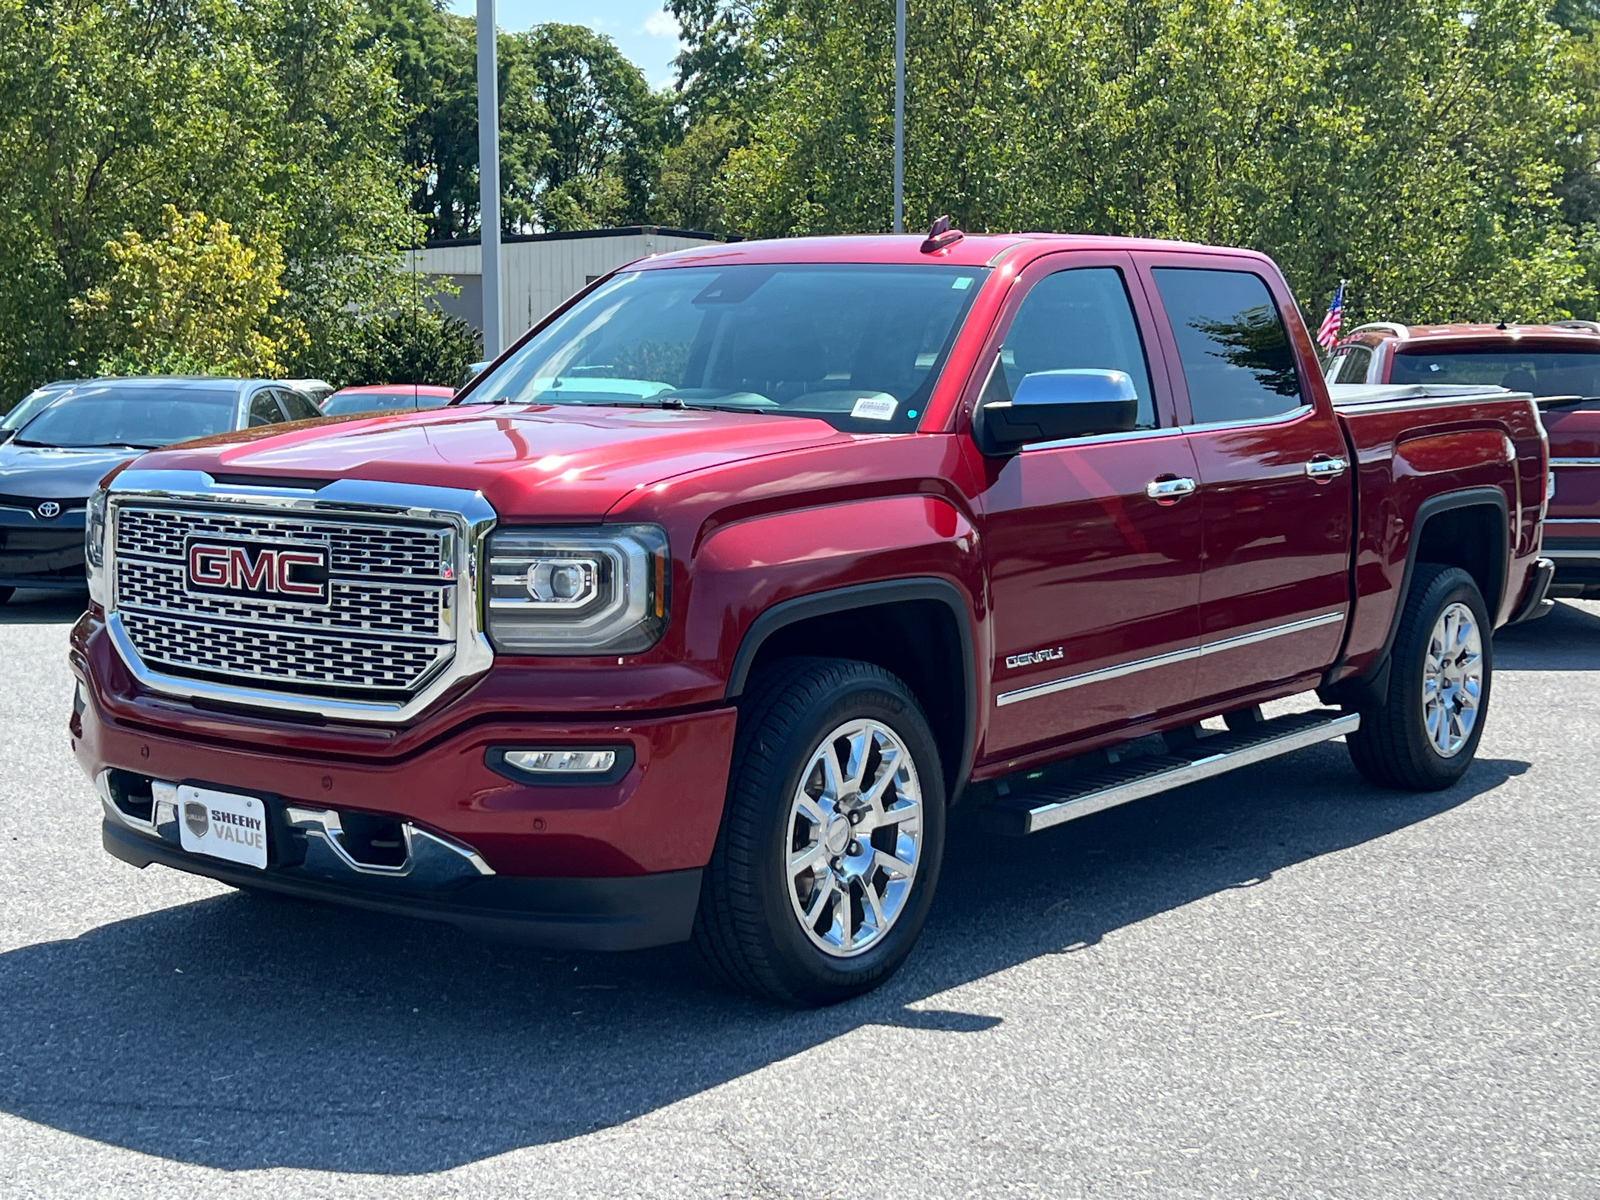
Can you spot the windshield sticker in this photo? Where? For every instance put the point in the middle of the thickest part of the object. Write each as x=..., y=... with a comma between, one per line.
x=875, y=408
x=962, y=283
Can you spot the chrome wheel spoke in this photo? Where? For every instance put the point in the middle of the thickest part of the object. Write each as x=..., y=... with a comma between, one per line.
x=1452, y=680
x=868, y=784
x=807, y=858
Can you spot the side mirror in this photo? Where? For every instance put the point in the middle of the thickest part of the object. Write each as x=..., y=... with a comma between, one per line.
x=1050, y=405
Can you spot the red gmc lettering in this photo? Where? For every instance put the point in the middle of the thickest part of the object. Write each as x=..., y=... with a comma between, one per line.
x=205, y=565
x=257, y=577
x=288, y=560
x=271, y=571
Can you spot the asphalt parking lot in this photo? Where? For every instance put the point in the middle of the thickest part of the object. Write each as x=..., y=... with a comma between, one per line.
x=1279, y=983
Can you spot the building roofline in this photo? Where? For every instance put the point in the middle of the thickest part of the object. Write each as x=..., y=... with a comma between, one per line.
x=572, y=234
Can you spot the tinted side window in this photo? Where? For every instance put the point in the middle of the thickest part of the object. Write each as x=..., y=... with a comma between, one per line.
x=1354, y=368
x=264, y=409
x=298, y=406
x=1235, y=351
x=1079, y=318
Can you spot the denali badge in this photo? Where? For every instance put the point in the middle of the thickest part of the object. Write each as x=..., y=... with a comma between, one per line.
x=1032, y=657
x=288, y=573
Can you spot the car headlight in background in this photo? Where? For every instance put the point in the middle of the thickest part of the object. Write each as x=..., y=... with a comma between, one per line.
x=558, y=592
x=94, y=547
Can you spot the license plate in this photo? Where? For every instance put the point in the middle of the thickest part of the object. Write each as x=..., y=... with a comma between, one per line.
x=223, y=825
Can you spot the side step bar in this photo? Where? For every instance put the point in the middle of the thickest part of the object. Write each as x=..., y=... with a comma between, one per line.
x=1055, y=804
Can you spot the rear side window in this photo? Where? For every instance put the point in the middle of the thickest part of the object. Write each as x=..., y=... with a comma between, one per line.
x=1354, y=367
x=1235, y=351
x=1079, y=318
x=297, y=405
x=264, y=409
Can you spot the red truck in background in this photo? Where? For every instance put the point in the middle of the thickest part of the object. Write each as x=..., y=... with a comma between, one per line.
x=1558, y=364
x=696, y=611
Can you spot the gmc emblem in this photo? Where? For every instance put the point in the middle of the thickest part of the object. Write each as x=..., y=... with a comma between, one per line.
x=293, y=574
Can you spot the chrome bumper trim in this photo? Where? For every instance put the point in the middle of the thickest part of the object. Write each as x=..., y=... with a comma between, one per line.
x=432, y=860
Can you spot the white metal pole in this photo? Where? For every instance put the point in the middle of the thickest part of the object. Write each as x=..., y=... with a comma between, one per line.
x=899, y=114
x=489, y=177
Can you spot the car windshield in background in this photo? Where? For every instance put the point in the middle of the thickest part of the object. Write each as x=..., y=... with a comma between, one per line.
x=340, y=406
x=25, y=409
x=858, y=346
x=1544, y=373
x=141, y=417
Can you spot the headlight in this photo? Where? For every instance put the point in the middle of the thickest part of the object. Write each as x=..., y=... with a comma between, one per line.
x=94, y=547
x=601, y=591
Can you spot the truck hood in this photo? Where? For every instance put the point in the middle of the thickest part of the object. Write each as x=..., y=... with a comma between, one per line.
x=56, y=472
x=558, y=462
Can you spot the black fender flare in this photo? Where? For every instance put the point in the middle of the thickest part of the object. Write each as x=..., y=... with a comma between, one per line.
x=873, y=595
x=1376, y=678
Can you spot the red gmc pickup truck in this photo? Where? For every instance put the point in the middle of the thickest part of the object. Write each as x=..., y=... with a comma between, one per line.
x=697, y=611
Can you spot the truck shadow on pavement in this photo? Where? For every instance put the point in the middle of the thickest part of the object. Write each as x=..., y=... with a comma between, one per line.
x=244, y=1031
x=1566, y=640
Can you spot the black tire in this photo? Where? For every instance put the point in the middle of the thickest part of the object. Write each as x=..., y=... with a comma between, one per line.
x=1393, y=747
x=747, y=929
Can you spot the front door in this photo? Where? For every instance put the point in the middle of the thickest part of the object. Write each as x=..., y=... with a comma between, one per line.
x=1093, y=543
x=1275, y=483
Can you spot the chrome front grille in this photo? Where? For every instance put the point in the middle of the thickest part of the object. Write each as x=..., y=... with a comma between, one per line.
x=387, y=629
x=359, y=548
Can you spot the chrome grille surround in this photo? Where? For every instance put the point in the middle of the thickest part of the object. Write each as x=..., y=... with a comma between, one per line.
x=402, y=625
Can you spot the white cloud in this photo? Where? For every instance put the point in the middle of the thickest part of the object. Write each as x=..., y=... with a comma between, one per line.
x=660, y=24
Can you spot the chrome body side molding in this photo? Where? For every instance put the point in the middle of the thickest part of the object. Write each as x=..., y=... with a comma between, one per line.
x=1162, y=660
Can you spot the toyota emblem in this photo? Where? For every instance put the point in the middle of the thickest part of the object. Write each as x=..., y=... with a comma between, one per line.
x=49, y=509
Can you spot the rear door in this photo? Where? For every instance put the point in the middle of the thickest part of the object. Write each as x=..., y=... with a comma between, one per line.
x=1094, y=581
x=1275, y=485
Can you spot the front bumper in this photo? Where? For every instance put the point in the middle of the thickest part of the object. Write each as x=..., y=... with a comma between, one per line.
x=609, y=865
x=38, y=552
x=628, y=913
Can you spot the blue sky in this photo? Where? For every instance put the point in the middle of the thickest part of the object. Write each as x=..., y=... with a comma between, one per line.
x=642, y=29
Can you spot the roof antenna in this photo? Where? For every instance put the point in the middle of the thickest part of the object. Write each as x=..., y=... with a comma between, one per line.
x=1502, y=324
x=940, y=235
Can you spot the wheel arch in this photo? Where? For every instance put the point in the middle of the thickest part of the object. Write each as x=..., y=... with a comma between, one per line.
x=1470, y=529
x=911, y=627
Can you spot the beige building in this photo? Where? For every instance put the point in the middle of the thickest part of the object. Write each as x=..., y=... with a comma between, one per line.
x=539, y=271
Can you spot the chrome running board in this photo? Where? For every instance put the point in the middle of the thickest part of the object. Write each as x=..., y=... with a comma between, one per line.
x=1054, y=804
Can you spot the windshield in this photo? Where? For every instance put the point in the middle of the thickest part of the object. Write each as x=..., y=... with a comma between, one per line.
x=858, y=346
x=25, y=408
x=1542, y=372
x=142, y=417
x=338, y=406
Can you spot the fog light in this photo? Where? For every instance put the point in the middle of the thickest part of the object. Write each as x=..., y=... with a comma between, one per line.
x=566, y=766
x=562, y=762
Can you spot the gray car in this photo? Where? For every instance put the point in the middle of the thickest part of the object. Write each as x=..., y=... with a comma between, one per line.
x=79, y=430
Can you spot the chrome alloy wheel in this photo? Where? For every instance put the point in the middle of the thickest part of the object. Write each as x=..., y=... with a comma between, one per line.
x=855, y=838
x=1452, y=680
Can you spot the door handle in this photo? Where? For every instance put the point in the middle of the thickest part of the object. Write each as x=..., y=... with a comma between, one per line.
x=1326, y=468
x=1169, y=489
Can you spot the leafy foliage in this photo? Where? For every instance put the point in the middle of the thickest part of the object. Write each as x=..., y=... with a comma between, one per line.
x=269, y=116
x=1413, y=148
x=415, y=345
x=193, y=300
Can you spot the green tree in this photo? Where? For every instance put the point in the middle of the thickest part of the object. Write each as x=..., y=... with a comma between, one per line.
x=272, y=117
x=194, y=299
x=1412, y=148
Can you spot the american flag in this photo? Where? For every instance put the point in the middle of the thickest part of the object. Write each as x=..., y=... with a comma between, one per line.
x=1328, y=335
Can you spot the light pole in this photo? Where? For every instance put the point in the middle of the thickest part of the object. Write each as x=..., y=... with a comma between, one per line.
x=489, y=177
x=899, y=114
